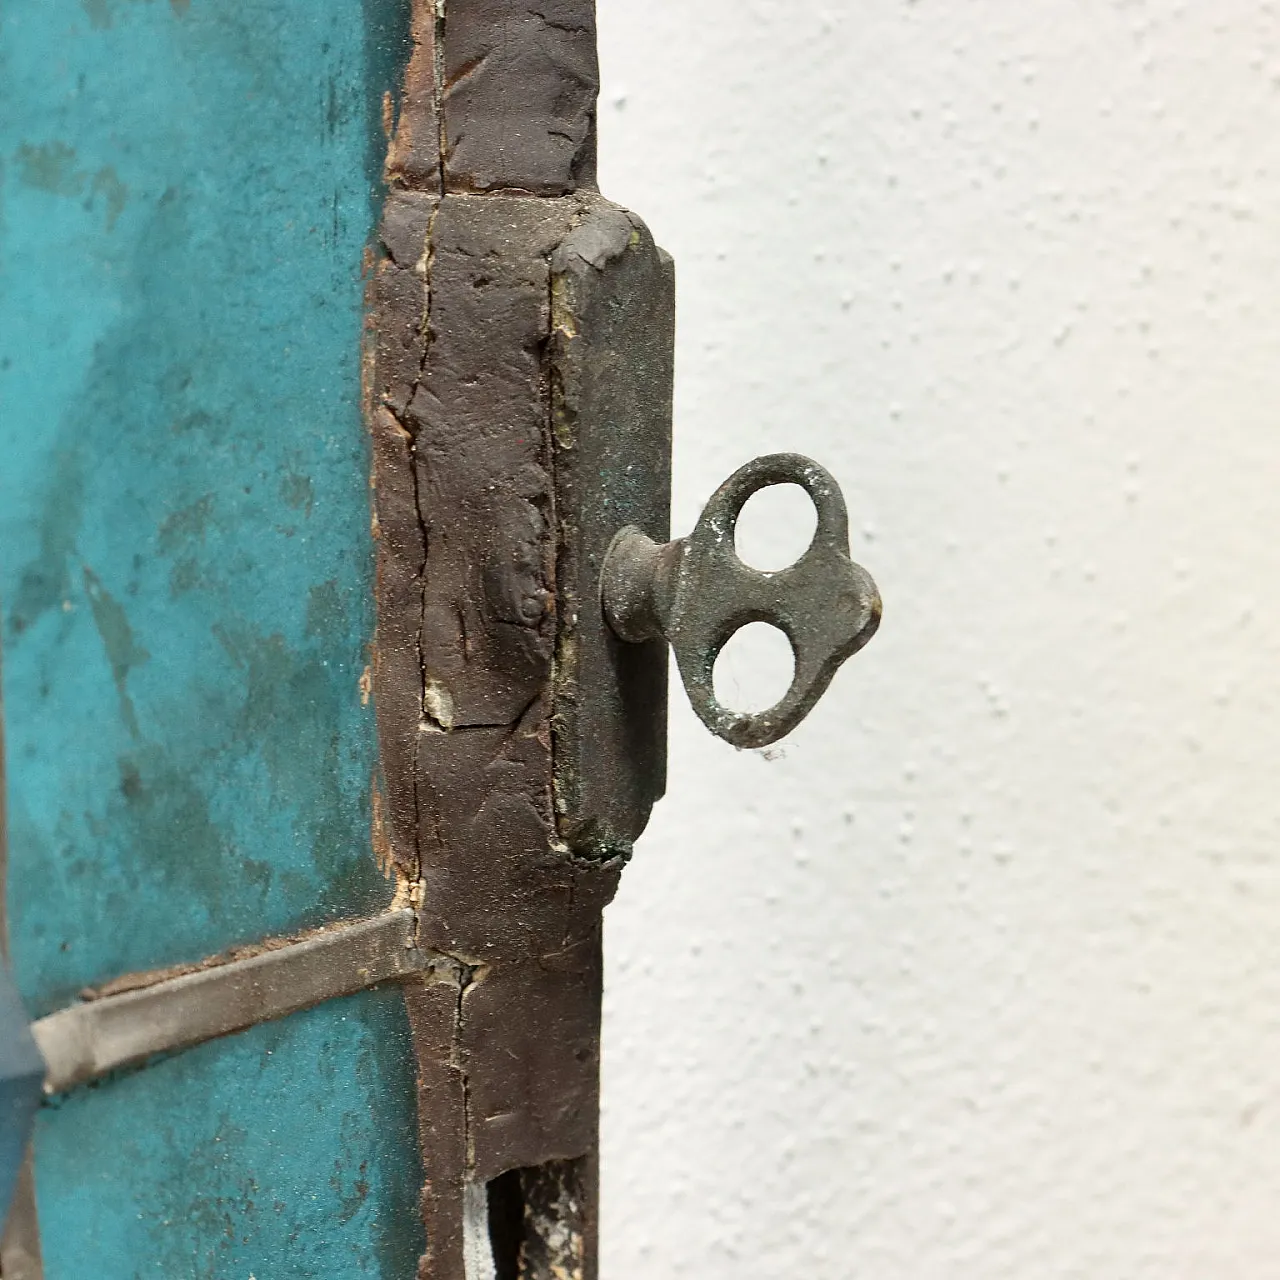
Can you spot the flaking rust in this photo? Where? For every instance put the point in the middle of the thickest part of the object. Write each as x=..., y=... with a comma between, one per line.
x=493, y=237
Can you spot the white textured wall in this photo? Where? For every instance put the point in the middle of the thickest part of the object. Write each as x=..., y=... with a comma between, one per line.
x=982, y=979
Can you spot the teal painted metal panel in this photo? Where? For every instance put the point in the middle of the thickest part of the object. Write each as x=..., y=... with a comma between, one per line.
x=187, y=188
x=261, y=1177
x=185, y=558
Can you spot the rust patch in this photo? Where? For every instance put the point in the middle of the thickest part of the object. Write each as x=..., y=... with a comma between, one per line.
x=459, y=409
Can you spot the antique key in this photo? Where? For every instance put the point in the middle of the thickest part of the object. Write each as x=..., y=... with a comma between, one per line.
x=624, y=590
x=696, y=593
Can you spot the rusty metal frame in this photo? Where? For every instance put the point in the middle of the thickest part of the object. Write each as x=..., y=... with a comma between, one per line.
x=518, y=377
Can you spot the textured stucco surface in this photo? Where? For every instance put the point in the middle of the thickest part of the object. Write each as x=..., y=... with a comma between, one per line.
x=982, y=977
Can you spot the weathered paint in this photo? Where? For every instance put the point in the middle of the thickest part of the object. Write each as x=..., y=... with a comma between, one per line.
x=185, y=559
x=244, y=1168
x=144, y=1016
x=186, y=193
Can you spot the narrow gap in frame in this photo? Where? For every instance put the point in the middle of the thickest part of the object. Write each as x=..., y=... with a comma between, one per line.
x=537, y=1222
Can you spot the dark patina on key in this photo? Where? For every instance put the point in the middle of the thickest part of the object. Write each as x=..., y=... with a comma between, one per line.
x=696, y=593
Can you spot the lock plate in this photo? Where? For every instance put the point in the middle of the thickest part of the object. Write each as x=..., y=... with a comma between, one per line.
x=613, y=332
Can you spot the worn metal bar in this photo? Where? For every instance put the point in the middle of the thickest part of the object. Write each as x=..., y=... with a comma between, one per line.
x=20, y=1238
x=20, y=1244
x=490, y=170
x=90, y=1039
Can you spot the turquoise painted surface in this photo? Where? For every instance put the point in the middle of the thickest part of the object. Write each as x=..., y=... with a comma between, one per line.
x=263, y=1177
x=186, y=191
x=187, y=188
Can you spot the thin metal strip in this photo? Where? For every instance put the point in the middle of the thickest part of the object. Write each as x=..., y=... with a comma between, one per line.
x=20, y=1245
x=88, y=1040
x=20, y=1235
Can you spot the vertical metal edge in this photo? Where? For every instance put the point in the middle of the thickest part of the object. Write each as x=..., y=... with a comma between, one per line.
x=4, y=829
x=489, y=172
x=612, y=365
x=20, y=1257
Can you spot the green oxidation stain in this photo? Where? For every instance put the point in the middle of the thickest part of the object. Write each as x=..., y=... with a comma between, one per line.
x=277, y=1153
x=51, y=167
x=44, y=584
x=101, y=13
x=122, y=649
x=297, y=492
x=292, y=710
x=324, y=608
x=185, y=526
x=163, y=813
x=113, y=192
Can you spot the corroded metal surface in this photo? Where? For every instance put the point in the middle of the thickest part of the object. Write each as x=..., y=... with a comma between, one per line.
x=499, y=97
x=186, y=598
x=21, y=1070
x=19, y=1225
x=491, y=168
x=697, y=593
x=123, y=1028
x=613, y=332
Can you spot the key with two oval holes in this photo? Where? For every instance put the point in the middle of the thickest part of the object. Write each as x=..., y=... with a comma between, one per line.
x=696, y=594
x=623, y=590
